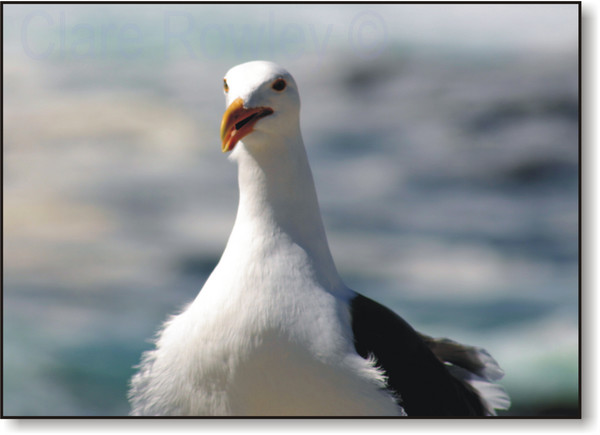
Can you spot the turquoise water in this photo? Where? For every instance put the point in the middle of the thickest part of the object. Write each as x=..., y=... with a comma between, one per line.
x=444, y=144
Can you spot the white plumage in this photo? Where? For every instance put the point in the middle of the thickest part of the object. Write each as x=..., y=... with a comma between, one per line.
x=272, y=332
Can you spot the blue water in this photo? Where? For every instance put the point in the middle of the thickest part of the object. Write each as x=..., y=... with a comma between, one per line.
x=444, y=145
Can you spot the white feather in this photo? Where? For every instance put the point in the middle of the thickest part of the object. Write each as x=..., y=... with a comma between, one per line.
x=269, y=333
x=493, y=395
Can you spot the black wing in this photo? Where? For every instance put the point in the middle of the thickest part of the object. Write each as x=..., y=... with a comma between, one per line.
x=422, y=382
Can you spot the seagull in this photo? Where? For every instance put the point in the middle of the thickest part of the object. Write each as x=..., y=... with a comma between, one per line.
x=275, y=331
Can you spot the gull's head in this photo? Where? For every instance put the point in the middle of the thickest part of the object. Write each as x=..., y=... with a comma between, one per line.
x=262, y=102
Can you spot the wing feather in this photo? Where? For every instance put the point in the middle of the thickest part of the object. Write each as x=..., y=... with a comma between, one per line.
x=427, y=375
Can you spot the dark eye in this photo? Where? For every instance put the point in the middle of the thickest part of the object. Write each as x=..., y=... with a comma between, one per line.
x=279, y=85
x=225, y=86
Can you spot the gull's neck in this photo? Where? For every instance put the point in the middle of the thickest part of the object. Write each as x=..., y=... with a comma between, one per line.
x=278, y=204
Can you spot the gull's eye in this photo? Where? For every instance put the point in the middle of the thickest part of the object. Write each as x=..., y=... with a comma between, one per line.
x=279, y=85
x=225, y=86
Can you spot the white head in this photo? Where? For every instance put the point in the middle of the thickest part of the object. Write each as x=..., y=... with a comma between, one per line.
x=263, y=105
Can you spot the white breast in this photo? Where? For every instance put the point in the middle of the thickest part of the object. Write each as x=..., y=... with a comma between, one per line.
x=260, y=350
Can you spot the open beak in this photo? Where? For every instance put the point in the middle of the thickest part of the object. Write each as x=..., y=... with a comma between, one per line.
x=238, y=122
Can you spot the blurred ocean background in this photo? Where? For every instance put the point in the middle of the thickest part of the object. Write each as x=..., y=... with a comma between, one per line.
x=443, y=140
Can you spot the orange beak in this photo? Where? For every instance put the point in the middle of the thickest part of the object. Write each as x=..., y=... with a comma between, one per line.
x=238, y=122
